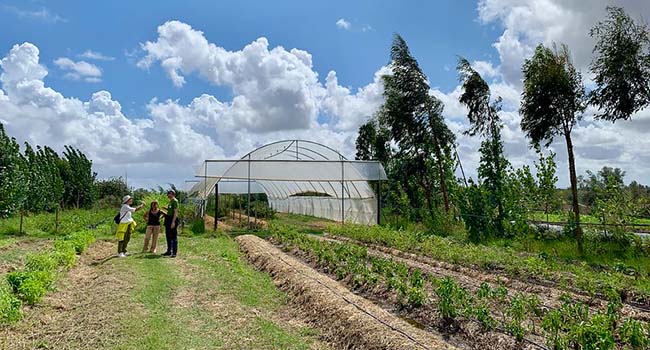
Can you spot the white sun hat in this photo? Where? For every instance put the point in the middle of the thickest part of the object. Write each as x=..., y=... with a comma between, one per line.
x=125, y=199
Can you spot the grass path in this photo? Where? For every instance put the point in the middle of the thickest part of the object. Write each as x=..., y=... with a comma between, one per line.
x=207, y=298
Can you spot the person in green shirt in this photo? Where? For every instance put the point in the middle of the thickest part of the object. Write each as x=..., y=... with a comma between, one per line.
x=171, y=224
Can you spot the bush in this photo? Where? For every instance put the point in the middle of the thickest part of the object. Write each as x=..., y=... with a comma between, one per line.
x=30, y=286
x=81, y=240
x=198, y=226
x=64, y=254
x=9, y=306
x=41, y=262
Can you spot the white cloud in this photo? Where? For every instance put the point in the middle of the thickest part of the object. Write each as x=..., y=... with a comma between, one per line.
x=175, y=137
x=275, y=88
x=80, y=70
x=525, y=24
x=42, y=14
x=342, y=23
x=94, y=55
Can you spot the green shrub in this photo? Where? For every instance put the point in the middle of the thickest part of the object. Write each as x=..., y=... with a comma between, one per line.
x=9, y=306
x=81, y=240
x=64, y=253
x=30, y=286
x=198, y=226
x=40, y=262
x=633, y=334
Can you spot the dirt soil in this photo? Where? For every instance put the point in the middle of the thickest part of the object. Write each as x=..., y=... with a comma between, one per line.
x=347, y=319
x=472, y=279
x=80, y=314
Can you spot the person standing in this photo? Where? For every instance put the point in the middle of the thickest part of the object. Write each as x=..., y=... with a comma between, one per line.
x=152, y=218
x=171, y=225
x=126, y=225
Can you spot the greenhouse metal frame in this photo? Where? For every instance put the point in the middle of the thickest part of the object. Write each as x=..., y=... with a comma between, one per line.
x=300, y=177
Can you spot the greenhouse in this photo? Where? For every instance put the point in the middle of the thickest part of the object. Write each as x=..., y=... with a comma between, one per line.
x=299, y=177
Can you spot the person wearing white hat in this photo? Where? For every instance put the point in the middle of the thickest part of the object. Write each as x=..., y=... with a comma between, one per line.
x=126, y=225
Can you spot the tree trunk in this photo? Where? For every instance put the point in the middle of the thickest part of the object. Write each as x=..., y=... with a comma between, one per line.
x=441, y=173
x=574, y=188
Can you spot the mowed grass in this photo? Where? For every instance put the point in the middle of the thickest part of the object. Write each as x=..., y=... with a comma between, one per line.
x=207, y=298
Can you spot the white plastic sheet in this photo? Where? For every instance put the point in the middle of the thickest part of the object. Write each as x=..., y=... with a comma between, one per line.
x=287, y=170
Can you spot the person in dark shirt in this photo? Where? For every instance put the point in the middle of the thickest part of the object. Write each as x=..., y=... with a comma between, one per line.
x=171, y=224
x=152, y=217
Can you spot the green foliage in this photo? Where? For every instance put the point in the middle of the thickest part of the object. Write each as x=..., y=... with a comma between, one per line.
x=634, y=334
x=81, y=240
x=546, y=180
x=621, y=67
x=477, y=213
x=552, y=102
x=30, y=286
x=10, y=305
x=451, y=300
x=13, y=187
x=198, y=226
x=64, y=253
x=411, y=119
x=40, y=262
x=78, y=178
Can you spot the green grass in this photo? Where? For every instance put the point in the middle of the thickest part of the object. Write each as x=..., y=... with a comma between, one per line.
x=176, y=298
x=585, y=218
x=44, y=224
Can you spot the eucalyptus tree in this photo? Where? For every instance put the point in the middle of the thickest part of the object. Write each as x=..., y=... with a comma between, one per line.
x=13, y=177
x=484, y=120
x=621, y=66
x=553, y=101
x=414, y=120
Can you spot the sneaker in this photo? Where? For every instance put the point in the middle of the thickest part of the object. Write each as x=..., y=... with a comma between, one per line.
x=166, y=254
x=173, y=256
x=127, y=254
x=121, y=255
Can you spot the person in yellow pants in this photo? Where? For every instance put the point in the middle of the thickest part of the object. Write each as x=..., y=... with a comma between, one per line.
x=126, y=225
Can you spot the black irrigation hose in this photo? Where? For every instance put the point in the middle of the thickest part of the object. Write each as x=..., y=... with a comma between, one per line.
x=356, y=305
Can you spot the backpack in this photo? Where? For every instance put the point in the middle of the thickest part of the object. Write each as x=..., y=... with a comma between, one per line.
x=118, y=218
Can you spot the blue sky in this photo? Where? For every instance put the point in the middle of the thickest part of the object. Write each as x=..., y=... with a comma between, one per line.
x=179, y=82
x=117, y=28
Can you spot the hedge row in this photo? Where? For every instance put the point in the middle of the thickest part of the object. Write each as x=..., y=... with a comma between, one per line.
x=37, y=277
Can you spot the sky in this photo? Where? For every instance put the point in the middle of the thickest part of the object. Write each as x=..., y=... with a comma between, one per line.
x=150, y=89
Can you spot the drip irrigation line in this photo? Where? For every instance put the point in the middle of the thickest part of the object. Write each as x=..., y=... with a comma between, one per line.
x=532, y=342
x=547, y=284
x=356, y=305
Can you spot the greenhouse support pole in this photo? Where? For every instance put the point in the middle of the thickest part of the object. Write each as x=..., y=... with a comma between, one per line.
x=378, y=202
x=342, y=192
x=248, y=209
x=216, y=205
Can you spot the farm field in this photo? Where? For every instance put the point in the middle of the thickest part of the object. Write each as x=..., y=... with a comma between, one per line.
x=207, y=298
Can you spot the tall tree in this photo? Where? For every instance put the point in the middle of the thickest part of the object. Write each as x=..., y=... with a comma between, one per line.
x=553, y=101
x=13, y=175
x=484, y=120
x=373, y=142
x=414, y=119
x=78, y=177
x=621, y=66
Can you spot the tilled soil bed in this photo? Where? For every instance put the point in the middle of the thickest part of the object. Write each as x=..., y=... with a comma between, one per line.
x=472, y=278
x=346, y=319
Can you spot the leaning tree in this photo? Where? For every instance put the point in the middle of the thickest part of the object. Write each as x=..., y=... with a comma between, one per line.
x=484, y=120
x=553, y=100
x=414, y=118
x=621, y=66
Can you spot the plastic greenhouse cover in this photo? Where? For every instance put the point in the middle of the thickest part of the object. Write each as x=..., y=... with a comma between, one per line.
x=293, y=170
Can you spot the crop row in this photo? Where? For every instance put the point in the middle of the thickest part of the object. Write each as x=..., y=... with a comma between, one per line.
x=37, y=277
x=530, y=267
x=518, y=315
